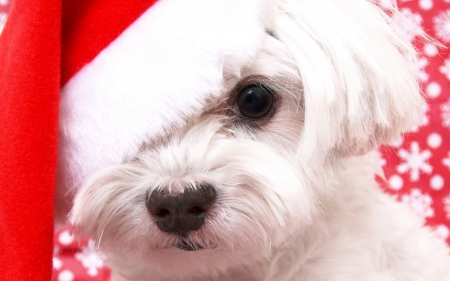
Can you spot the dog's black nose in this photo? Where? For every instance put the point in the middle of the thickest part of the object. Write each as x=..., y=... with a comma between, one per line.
x=182, y=212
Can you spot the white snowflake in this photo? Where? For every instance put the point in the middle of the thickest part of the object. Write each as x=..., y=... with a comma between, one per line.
x=415, y=161
x=445, y=69
x=410, y=23
x=90, y=259
x=442, y=26
x=446, y=161
x=57, y=263
x=445, y=115
x=3, y=17
x=66, y=237
x=442, y=231
x=446, y=202
x=4, y=2
x=419, y=203
x=426, y=4
x=395, y=182
x=66, y=275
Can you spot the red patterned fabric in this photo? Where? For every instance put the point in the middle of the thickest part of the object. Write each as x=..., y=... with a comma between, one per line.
x=417, y=169
x=75, y=260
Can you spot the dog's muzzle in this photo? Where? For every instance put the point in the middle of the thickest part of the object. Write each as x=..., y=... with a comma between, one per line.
x=180, y=213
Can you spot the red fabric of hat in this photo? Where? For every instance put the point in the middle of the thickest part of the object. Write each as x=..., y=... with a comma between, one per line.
x=30, y=80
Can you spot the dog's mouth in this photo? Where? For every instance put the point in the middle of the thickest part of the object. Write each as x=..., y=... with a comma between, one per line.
x=186, y=246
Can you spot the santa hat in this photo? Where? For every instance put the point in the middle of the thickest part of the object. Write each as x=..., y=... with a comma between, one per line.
x=79, y=93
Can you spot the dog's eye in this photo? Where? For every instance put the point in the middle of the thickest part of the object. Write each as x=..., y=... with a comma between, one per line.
x=255, y=102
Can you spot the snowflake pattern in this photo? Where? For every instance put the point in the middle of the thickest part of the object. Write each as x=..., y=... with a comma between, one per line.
x=446, y=202
x=410, y=23
x=442, y=231
x=420, y=203
x=426, y=117
x=415, y=161
x=57, y=263
x=445, y=69
x=446, y=161
x=426, y=4
x=66, y=275
x=90, y=259
x=442, y=26
x=4, y=2
x=445, y=115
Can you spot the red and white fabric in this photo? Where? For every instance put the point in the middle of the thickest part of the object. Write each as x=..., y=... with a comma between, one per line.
x=417, y=169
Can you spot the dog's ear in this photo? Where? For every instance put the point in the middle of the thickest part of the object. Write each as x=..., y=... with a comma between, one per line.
x=358, y=88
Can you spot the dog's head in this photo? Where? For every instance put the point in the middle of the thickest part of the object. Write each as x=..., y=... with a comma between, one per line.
x=304, y=85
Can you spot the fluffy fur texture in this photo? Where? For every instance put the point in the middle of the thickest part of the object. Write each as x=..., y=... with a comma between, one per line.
x=296, y=198
x=158, y=73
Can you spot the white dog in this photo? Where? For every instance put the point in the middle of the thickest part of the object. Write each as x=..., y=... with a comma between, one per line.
x=269, y=176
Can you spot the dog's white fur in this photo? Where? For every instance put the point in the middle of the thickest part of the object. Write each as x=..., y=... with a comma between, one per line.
x=296, y=194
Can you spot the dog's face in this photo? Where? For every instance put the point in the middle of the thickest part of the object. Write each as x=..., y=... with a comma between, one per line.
x=223, y=190
x=252, y=168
